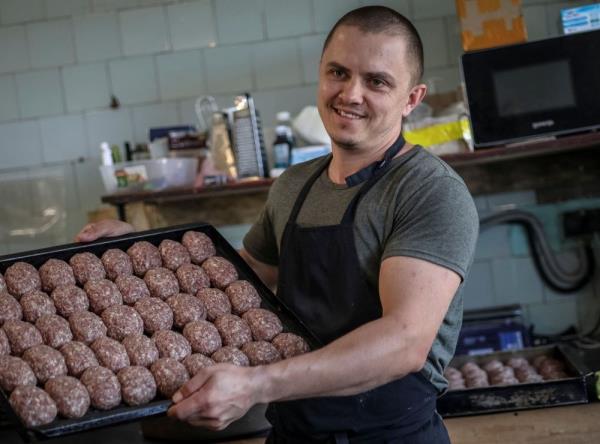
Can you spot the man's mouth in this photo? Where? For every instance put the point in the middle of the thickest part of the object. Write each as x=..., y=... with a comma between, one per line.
x=347, y=114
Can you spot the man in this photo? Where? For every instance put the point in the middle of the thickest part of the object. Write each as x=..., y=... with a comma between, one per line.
x=369, y=247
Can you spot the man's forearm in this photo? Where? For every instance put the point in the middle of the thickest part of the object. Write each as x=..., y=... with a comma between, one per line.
x=372, y=355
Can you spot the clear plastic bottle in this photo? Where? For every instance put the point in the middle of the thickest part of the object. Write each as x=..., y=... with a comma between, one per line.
x=284, y=141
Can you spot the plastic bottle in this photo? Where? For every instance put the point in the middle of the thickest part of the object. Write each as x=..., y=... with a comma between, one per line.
x=107, y=158
x=284, y=140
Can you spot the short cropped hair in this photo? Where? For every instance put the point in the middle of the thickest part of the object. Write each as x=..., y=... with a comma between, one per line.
x=383, y=20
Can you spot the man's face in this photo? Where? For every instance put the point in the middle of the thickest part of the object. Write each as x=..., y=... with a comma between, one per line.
x=364, y=88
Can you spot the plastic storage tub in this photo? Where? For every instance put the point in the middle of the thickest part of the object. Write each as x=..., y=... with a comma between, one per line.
x=155, y=174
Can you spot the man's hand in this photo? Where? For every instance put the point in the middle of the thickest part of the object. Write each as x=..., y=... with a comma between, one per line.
x=216, y=396
x=103, y=228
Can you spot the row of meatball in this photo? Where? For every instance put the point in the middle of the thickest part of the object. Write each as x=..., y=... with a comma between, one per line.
x=494, y=372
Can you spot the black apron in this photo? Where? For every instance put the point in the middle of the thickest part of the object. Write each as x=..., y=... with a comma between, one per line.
x=321, y=280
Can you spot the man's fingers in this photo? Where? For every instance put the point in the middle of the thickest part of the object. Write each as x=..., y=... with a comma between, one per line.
x=191, y=386
x=194, y=405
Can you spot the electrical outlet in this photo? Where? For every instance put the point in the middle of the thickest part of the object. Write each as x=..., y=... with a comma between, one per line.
x=582, y=222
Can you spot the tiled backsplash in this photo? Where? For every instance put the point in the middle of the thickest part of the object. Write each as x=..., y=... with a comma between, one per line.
x=61, y=60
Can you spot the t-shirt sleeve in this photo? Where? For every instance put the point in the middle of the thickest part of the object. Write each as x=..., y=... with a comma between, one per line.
x=260, y=241
x=438, y=223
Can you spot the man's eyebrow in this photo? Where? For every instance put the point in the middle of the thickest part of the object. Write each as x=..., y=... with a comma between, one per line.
x=337, y=66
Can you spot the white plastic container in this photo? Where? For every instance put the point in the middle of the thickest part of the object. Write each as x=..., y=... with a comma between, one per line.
x=151, y=175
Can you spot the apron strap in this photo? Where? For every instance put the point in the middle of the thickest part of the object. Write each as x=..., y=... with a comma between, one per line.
x=380, y=169
x=306, y=188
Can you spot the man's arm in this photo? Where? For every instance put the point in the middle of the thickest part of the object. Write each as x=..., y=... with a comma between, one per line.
x=415, y=296
x=267, y=273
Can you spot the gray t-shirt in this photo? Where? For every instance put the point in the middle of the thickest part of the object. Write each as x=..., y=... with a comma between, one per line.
x=420, y=208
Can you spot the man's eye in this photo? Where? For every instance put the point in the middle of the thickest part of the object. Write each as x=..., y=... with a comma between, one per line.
x=337, y=73
x=378, y=83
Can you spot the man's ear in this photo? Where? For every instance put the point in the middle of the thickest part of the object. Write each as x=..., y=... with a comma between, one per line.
x=416, y=96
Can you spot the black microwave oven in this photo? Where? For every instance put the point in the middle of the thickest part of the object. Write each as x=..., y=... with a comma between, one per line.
x=542, y=88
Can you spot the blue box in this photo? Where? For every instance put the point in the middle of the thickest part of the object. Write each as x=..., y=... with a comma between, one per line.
x=584, y=18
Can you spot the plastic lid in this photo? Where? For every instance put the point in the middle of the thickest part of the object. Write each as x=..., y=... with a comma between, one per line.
x=283, y=116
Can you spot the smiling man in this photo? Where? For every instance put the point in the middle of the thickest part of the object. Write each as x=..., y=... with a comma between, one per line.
x=369, y=247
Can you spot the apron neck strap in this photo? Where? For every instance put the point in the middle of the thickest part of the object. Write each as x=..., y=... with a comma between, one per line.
x=378, y=169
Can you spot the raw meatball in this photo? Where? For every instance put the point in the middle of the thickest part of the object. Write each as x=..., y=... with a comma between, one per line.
x=9, y=308
x=231, y=355
x=137, y=385
x=78, y=357
x=102, y=293
x=121, y=321
x=141, y=350
x=13, y=372
x=173, y=254
x=493, y=366
x=87, y=267
x=264, y=324
x=517, y=362
x=215, y=301
x=196, y=362
x=103, y=387
x=234, y=330
x=116, y=263
x=192, y=278
x=35, y=304
x=110, y=353
x=34, y=406
x=4, y=344
x=144, y=256
x=171, y=344
x=70, y=299
x=21, y=335
x=290, y=345
x=186, y=309
x=203, y=337
x=451, y=373
x=169, y=374
x=199, y=245
x=537, y=361
x=22, y=278
x=261, y=352
x=56, y=273
x=45, y=362
x=220, y=271
x=156, y=314
x=132, y=288
x=162, y=283
x=477, y=382
x=243, y=297
x=55, y=330
x=70, y=396
x=86, y=326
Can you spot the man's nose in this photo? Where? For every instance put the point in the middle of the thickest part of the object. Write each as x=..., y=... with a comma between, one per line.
x=352, y=92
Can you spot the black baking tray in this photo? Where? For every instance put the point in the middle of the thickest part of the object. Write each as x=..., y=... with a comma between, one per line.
x=558, y=392
x=96, y=418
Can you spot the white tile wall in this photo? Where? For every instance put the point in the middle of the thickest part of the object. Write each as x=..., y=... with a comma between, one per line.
x=112, y=126
x=134, y=80
x=516, y=281
x=63, y=138
x=66, y=8
x=20, y=145
x=144, y=31
x=229, y=68
x=286, y=18
x=40, y=93
x=327, y=12
x=284, y=99
x=96, y=37
x=9, y=106
x=535, y=20
x=424, y=9
x=180, y=74
x=192, y=25
x=13, y=49
x=553, y=318
x=402, y=6
x=311, y=47
x=277, y=64
x=112, y=5
x=51, y=43
x=239, y=21
x=77, y=80
x=433, y=35
x=478, y=291
x=19, y=11
x=151, y=116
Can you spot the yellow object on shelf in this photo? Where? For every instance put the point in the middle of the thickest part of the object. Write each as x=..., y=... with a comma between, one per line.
x=490, y=23
x=439, y=133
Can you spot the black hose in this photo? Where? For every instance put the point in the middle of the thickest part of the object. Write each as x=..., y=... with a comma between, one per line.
x=545, y=262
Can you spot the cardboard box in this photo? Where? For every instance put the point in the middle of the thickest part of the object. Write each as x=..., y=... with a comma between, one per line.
x=489, y=23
